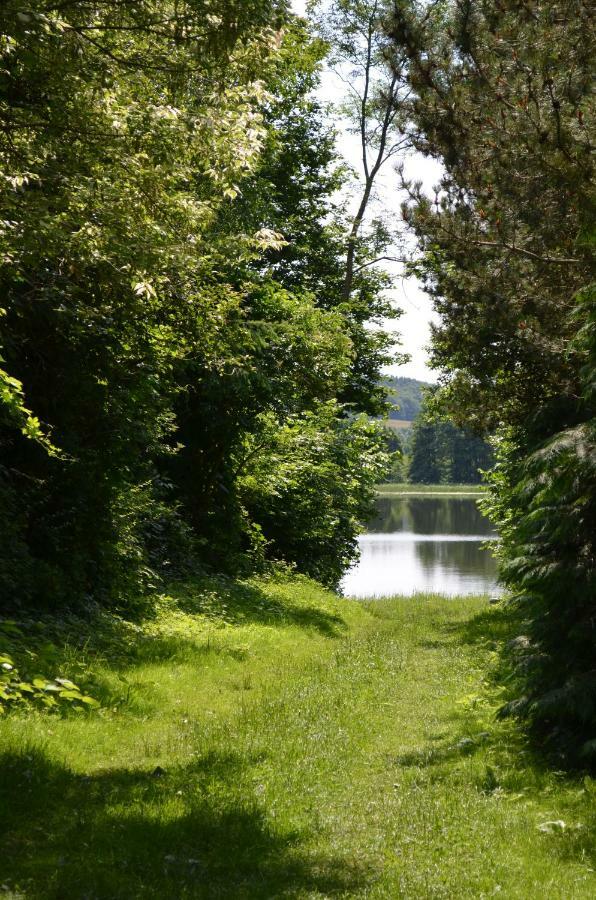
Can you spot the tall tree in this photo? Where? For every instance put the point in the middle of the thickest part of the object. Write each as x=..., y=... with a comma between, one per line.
x=374, y=104
x=374, y=107
x=503, y=94
x=150, y=335
x=505, y=241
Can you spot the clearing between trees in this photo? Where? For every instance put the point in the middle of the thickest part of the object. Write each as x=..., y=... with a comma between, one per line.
x=266, y=738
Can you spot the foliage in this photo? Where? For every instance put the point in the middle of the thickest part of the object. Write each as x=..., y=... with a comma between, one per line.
x=502, y=94
x=20, y=690
x=15, y=692
x=396, y=472
x=155, y=312
x=13, y=407
x=504, y=240
x=441, y=453
x=295, y=191
x=309, y=487
x=124, y=170
x=545, y=503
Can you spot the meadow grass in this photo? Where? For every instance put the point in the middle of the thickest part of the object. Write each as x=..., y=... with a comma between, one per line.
x=268, y=739
x=399, y=490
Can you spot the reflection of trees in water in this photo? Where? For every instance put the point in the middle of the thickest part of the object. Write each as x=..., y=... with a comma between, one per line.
x=447, y=515
x=407, y=564
x=429, y=515
x=466, y=557
x=390, y=516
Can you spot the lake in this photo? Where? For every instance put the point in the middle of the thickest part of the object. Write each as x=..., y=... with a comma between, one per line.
x=424, y=543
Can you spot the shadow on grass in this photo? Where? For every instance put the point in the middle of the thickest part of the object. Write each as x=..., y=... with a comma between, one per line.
x=241, y=603
x=487, y=628
x=494, y=624
x=76, y=646
x=191, y=832
x=439, y=754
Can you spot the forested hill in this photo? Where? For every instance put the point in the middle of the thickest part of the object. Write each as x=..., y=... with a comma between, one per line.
x=405, y=396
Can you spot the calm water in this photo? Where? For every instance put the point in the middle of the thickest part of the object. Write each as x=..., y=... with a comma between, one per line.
x=424, y=543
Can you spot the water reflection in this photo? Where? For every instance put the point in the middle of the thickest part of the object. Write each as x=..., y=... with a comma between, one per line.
x=424, y=544
x=429, y=515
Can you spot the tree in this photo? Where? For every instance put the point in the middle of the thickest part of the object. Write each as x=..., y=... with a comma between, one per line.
x=374, y=104
x=503, y=96
x=313, y=487
x=504, y=241
x=425, y=464
x=124, y=129
x=147, y=341
x=288, y=360
x=441, y=453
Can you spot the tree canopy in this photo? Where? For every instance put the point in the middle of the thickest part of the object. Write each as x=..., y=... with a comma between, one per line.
x=502, y=94
x=173, y=332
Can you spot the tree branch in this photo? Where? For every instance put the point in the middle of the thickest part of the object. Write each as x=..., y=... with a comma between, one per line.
x=372, y=262
x=547, y=259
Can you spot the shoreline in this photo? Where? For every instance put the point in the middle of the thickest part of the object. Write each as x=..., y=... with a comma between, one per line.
x=430, y=490
x=430, y=493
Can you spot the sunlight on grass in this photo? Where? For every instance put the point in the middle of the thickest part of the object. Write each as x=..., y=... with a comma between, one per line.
x=455, y=490
x=267, y=739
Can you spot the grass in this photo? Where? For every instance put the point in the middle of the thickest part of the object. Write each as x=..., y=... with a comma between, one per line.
x=266, y=739
x=399, y=490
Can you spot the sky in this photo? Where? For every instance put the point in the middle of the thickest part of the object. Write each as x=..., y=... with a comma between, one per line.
x=413, y=325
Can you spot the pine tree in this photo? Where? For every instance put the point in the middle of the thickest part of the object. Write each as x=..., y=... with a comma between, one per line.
x=502, y=92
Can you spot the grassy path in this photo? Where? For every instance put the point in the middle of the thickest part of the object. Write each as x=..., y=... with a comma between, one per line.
x=294, y=746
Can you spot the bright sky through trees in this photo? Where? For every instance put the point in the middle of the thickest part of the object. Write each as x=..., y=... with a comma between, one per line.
x=414, y=324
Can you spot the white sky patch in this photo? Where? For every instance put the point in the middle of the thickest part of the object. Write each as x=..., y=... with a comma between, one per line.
x=413, y=327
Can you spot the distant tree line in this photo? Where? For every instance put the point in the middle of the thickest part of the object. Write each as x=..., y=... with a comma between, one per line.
x=442, y=453
x=433, y=450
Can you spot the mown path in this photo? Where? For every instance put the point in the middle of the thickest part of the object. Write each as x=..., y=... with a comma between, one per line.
x=294, y=746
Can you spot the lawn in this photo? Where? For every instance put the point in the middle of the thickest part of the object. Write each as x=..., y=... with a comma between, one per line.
x=267, y=739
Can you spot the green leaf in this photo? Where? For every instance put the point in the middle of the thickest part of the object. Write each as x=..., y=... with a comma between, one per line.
x=90, y=701
x=71, y=695
x=69, y=685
